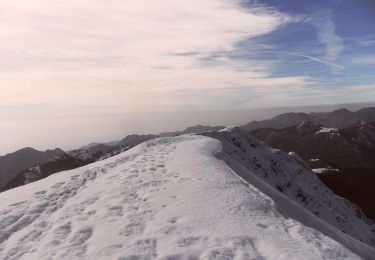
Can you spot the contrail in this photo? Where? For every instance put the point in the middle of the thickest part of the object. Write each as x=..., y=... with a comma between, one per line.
x=318, y=60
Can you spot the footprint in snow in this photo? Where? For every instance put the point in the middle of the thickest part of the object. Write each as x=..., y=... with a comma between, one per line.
x=81, y=236
x=18, y=203
x=173, y=220
x=63, y=231
x=57, y=185
x=115, y=211
x=188, y=241
x=147, y=247
x=40, y=192
x=134, y=228
x=261, y=225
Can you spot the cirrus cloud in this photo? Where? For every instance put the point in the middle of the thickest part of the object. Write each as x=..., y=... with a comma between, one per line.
x=131, y=55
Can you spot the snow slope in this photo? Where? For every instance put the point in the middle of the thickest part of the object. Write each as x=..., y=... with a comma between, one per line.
x=272, y=169
x=167, y=198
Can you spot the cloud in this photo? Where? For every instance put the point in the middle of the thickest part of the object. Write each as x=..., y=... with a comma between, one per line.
x=314, y=95
x=327, y=36
x=131, y=55
x=364, y=60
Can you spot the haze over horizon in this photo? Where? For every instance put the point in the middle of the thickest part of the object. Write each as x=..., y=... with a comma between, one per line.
x=72, y=70
x=112, y=127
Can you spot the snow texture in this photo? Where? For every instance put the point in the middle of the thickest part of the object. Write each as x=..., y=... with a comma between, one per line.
x=168, y=198
x=272, y=169
x=325, y=170
x=325, y=130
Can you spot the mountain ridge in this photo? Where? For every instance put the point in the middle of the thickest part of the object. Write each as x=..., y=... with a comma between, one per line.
x=339, y=118
x=173, y=198
x=343, y=157
x=12, y=163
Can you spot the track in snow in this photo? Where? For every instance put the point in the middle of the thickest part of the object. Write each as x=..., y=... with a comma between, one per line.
x=167, y=198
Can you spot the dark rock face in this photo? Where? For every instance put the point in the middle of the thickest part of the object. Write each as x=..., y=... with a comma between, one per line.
x=45, y=169
x=350, y=147
x=12, y=163
x=340, y=118
x=350, y=150
x=354, y=184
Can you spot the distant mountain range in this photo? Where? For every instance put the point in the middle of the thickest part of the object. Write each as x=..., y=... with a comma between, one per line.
x=349, y=147
x=340, y=118
x=40, y=169
x=343, y=158
x=13, y=163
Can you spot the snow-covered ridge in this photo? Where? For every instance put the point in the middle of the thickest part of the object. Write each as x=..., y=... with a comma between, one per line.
x=167, y=198
x=289, y=174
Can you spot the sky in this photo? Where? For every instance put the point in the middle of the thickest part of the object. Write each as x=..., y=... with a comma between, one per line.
x=79, y=70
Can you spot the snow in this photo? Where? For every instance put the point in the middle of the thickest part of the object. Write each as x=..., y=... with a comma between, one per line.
x=324, y=170
x=31, y=174
x=168, y=198
x=82, y=154
x=325, y=130
x=274, y=172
